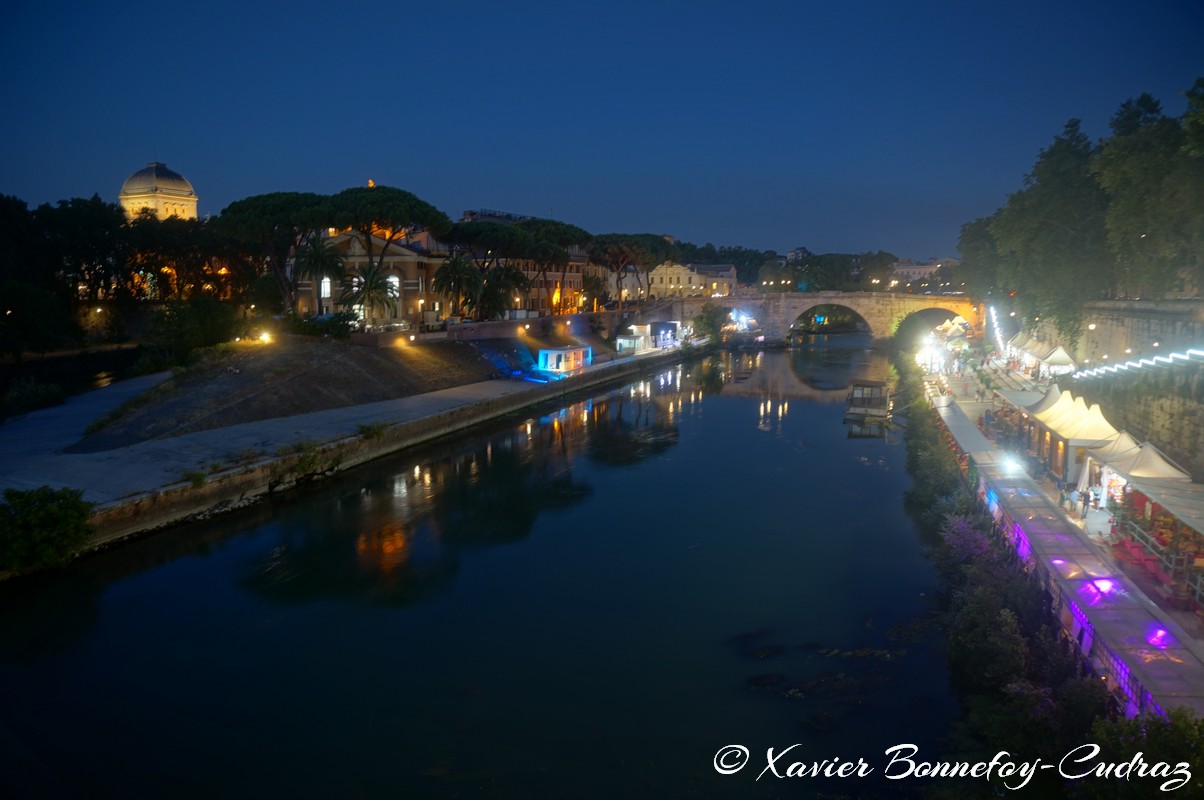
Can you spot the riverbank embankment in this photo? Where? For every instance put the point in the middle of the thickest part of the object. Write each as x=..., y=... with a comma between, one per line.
x=155, y=484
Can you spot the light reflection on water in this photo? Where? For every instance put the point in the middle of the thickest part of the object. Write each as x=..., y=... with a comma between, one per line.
x=586, y=602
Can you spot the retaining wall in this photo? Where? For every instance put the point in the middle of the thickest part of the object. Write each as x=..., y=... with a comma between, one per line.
x=239, y=487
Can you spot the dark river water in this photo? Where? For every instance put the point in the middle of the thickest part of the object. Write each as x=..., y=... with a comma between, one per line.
x=590, y=602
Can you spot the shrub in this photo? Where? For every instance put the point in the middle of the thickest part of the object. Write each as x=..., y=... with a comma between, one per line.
x=28, y=394
x=183, y=326
x=42, y=527
x=338, y=326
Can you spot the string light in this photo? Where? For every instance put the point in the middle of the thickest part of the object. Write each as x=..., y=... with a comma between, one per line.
x=1192, y=355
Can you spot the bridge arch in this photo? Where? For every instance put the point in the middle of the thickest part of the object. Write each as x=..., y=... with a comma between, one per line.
x=883, y=312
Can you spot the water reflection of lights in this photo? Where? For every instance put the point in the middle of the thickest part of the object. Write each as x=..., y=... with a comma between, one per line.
x=384, y=550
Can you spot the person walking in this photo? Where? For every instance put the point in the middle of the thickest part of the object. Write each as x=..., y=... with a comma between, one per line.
x=1085, y=499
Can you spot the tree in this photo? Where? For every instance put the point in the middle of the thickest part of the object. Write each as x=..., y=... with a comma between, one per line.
x=372, y=290
x=1177, y=740
x=593, y=286
x=1155, y=209
x=35, y=314
x=488, y=244
x=746, y=261
x=319, y=258
x=555, y=238
x=386, y=215
x=986, y=646
x=500, y=284
x=1055, y=235
x=773, y=276
x=693, y=254
x=459, y=281
x=175, y=258
x=828, y=271
x=982, y=262
x=622, y=252
x=710, y=320
x=1193, y=120
x=86, y=242
x=495, y=248
x=270, y=227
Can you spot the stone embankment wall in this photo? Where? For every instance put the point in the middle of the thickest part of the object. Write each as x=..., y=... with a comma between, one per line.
x=242, y=486
x=1135, y=325
x=1164, y=405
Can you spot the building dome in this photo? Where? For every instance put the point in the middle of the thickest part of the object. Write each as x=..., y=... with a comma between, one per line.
x=156, y=177
x=163, y=191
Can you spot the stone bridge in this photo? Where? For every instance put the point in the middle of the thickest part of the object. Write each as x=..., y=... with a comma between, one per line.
x=776, y=312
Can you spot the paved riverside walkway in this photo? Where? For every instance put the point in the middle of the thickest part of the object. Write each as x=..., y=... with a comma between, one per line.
x=960, y=413
x=32, y=446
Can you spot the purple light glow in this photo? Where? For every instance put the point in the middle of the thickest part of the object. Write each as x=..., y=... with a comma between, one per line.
x=1159, y=638
x=1057, y=561
x=1104, y=585
x=1023, y=548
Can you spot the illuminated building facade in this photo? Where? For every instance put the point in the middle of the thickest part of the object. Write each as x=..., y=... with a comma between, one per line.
x=671, y=279
x=409, y=267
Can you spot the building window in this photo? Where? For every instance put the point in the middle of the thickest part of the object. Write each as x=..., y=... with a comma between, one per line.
x=325, y=288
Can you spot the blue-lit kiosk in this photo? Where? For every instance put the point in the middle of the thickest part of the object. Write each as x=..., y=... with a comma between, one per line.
x=565, y=360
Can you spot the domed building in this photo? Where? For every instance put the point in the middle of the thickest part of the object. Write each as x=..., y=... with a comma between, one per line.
x=167, y=193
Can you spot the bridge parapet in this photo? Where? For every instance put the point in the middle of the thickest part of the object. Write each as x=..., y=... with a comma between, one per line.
x=882, y=311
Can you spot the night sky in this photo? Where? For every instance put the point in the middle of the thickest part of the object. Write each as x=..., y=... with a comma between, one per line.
x=840, y=126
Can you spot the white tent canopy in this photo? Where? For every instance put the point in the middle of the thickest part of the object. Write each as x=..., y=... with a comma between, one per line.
x=1120, y=445
x=1089, y=427
x=1062, y=405
x=1117, y=450
x=1047, y=401
x=1147, y=462
x=1068, y=417
x=1058, y=357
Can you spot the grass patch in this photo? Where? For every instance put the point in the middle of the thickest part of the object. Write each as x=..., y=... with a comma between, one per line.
x=134, y=403
x=30, y=394
x=374, y=430
x=248, y=456
x=302, y=447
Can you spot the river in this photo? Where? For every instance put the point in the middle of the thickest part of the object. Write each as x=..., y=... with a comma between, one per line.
x=589, y=602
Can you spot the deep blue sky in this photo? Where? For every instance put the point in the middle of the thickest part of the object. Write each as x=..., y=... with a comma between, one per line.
x=841, y=126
